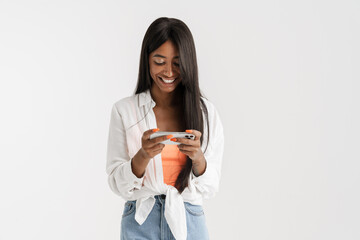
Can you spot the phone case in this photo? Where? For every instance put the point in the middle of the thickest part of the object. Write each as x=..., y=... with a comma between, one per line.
x=175, y=134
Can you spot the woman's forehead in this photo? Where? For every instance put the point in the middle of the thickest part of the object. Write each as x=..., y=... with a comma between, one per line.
x=166, y=50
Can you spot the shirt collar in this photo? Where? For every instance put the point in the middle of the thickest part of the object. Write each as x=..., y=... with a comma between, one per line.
x=145, y=98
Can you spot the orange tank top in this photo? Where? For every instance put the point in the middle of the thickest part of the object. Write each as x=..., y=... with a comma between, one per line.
x=172, y=162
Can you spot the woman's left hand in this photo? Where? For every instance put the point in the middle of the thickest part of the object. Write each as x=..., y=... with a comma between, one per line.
x=191, y=148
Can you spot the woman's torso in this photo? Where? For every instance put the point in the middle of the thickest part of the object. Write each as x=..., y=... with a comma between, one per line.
x=169, y=119
x=132, y=110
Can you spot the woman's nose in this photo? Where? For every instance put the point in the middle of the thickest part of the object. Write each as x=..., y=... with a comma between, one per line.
x=169, y=70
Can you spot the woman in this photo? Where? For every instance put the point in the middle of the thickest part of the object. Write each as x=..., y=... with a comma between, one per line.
x=164, y=185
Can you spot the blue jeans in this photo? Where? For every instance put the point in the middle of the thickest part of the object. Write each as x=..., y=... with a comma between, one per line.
x=155, y=226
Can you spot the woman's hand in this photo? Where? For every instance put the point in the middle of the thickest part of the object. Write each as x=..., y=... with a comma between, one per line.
x=192, y=148
x=149, y=149
x=152, y=147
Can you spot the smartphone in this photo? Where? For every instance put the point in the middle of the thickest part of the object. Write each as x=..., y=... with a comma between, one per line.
x=175, y=135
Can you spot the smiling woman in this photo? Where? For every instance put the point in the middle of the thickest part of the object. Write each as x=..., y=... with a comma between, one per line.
x=164, y=185
x=164, y=67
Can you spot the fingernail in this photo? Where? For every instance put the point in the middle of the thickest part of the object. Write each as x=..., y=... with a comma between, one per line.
x=173, y=139
x=188, y=131
x=155, y=130
x=169, y=136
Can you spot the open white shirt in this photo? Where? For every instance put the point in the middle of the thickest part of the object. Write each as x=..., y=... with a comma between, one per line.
x=130, y=118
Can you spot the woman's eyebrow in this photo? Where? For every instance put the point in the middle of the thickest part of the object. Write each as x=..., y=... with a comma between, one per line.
x=158, y=55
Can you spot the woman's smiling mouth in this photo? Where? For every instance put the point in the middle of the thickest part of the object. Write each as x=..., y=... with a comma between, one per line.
x=167, y=81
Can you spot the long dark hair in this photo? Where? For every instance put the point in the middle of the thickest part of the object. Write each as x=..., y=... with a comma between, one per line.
x=175, y=30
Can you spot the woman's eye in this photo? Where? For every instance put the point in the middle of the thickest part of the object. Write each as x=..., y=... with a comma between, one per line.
x=176, y=64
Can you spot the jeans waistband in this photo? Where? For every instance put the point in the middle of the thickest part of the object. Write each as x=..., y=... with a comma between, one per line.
x=160, y=197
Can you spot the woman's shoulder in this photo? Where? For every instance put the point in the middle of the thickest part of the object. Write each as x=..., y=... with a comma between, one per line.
x=132, y=100
x=124, y=101
x=128, y=102
x=136, y=100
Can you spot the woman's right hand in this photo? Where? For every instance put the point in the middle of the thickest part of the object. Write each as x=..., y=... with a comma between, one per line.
x=149, y=149
x=152, y=147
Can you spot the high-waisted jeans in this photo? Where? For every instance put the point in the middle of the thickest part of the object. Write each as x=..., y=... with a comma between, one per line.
x=155, y=226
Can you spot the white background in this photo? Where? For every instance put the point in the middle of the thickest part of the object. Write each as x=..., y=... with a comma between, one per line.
x=284, y=76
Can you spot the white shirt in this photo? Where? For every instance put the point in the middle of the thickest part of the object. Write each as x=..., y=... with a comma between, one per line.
x=127, y=125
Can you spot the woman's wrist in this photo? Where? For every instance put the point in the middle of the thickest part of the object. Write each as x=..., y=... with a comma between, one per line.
x=199, y=166
x=139, y=163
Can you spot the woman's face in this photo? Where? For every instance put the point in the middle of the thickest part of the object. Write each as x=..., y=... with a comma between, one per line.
x=164, y=65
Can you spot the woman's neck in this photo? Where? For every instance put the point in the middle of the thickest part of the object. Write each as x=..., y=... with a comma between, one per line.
x=164, y=99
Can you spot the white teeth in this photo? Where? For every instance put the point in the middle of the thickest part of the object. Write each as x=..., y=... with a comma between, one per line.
x=167, y=81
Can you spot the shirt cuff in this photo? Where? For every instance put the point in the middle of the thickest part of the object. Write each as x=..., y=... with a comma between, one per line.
x=131, y=178
x=198, y=180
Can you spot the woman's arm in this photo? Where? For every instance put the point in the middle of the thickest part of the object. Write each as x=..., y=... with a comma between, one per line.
x=208, y=182
x=121, y=177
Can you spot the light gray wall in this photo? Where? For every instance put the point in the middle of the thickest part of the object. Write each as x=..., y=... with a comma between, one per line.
x=284, y=76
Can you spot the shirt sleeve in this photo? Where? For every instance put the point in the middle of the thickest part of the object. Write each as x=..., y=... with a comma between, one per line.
x=208, y=182
x=121, y=178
